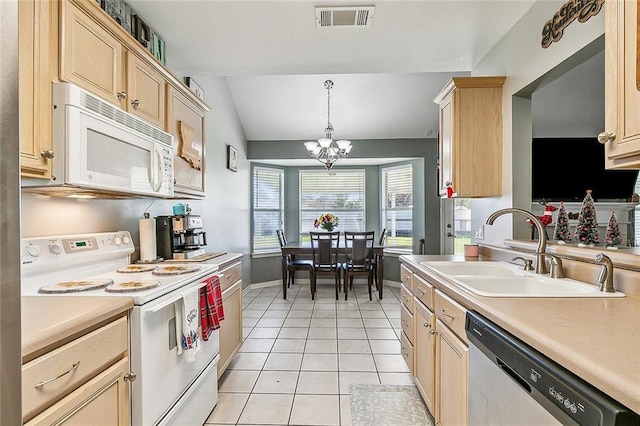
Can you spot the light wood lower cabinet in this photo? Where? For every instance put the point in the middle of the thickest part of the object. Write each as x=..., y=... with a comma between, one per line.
x=425, y=353
x=83, y=382
x=435, y=334
x=231, y=326
x=451, y=377
x=104, y=400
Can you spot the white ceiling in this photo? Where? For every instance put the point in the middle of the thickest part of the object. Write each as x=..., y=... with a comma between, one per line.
x=276, y=60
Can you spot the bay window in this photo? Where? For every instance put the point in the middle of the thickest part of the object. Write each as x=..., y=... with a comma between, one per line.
x=397, y=206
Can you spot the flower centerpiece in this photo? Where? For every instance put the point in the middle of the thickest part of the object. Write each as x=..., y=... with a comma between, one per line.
x=327, y=222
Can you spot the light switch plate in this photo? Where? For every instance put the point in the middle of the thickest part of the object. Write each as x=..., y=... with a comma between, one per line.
x=480, y=232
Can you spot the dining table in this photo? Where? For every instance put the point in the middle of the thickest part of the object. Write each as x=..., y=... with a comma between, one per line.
x=294, y=248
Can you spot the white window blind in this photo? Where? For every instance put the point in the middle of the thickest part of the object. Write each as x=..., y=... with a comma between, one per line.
x=397, y=206
x=268, y=208
x=341, y=193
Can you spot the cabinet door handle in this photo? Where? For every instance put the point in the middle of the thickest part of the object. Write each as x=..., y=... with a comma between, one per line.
x=421, y=291
x=443, y=312
x=135, y=103
x=47, y=154
x=121, y=95
x=605, y=137
x=130, y=377
x=406, y=324
x=433, y=332
x=44, y=382
x=426, y=325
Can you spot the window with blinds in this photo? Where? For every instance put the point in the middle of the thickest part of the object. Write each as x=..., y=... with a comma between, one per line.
x=397, y=207
x=341, y=193
x=268, y=208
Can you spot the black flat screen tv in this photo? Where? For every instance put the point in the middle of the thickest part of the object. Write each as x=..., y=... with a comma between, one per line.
x=564, y=168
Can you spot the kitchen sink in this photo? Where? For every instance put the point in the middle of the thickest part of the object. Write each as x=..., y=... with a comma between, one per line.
x=474, y=268
x=500, y=279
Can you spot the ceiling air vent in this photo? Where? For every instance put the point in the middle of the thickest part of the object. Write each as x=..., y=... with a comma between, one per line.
x=344, y=16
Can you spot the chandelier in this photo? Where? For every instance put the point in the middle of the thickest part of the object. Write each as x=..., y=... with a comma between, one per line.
x=326, y=150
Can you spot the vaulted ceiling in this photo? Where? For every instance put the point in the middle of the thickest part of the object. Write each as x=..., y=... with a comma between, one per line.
x=276, y=60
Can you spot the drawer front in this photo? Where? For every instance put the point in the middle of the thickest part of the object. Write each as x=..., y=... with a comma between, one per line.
x=452, y=314
x=406, y=348
x=71, y=364
x=406, y=277
x=406, y=297
x=406, y=321
x=232, y=274
x=423, y=291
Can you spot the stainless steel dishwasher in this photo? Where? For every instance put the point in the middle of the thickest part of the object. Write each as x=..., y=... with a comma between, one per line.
x=510, y=383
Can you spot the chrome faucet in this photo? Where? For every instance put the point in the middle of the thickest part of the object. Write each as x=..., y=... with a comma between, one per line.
x=541, y=264
x=605, y=278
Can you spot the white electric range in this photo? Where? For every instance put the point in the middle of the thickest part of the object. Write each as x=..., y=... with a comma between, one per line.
x=168, y=389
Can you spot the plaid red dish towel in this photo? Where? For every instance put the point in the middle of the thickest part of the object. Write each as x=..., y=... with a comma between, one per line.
x=211, y=309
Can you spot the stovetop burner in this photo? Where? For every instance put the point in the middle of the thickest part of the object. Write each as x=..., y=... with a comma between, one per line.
x=133, y=269
x=131, y=286
x=76, y=286
x=175, y=269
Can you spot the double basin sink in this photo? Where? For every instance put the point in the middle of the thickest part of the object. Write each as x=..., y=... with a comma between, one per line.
x=501, y=279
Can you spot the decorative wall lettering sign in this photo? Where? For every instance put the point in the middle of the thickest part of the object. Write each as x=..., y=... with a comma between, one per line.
x=581, y=10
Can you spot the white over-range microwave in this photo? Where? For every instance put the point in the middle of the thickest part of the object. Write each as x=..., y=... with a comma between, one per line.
x=100, y=150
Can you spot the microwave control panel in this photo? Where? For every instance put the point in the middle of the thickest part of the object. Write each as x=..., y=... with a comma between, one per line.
x=166, y=187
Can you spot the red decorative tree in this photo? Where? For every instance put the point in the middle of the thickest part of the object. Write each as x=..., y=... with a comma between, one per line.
x=562, y=232
x=587, y=229
x=613, y=237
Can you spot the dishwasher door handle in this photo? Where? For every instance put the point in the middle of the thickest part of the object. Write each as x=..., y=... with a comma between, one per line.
x=512, y=373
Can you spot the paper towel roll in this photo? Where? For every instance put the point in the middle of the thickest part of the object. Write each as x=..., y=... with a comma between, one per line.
x=148, y=249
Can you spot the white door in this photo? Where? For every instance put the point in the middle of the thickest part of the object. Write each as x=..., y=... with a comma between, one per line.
x=455, y=225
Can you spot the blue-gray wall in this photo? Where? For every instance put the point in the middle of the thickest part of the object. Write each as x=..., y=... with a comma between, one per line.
x=421, y=153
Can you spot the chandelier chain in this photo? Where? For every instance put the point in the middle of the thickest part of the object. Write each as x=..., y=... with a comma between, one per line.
x=328, y=84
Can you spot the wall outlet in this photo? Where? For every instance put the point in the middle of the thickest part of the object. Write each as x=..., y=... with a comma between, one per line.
x=480, y=232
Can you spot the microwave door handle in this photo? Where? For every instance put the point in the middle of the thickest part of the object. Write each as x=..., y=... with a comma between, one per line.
x=156, y=169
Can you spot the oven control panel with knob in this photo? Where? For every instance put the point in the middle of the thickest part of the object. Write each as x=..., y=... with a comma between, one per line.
x=74, y=248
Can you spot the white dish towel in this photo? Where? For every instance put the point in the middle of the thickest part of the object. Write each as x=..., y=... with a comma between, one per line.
x=187, y=323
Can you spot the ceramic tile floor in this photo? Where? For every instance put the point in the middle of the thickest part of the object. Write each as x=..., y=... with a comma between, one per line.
x=300, y=356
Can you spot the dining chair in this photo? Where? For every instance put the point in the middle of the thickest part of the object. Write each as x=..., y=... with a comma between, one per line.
x=294, y=264
x=360, y=258
x=324, y=246
x=376, y=262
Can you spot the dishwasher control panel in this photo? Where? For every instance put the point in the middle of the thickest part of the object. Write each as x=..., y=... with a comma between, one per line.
x=564, y=395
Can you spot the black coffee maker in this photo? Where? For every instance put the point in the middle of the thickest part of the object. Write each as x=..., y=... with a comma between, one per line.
x=180, y=237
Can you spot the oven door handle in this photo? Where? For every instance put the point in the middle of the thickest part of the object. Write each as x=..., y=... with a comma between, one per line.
x=171, y=301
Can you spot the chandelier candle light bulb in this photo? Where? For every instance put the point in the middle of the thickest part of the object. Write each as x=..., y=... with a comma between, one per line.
x=325, y=149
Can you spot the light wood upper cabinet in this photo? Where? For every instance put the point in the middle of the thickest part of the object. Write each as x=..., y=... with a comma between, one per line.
x=145, y=91
x=622, y=85
x=470, y=145
x=90, y=56
x=185, y=121
x=35, y=63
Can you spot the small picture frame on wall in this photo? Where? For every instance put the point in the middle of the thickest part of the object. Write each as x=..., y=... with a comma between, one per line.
x=232, y=158
x=195, y=88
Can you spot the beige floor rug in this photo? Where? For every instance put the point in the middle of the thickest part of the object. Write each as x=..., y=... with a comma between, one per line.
x=388, y=405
